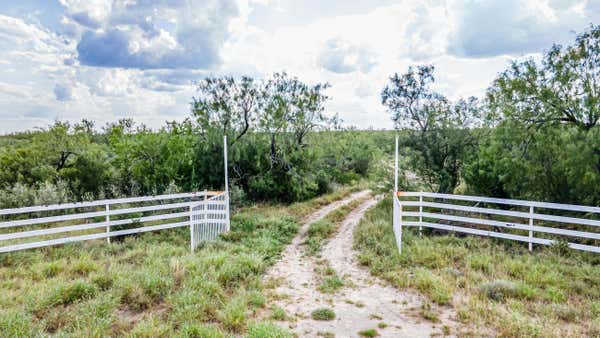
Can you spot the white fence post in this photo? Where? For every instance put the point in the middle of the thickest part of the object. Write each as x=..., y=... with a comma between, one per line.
x=420, y=215
x=397, y=207
x=107, y=208
x=192, y=244
x=531, y=228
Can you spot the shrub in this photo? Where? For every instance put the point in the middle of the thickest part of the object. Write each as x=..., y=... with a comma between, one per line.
x=323, y=314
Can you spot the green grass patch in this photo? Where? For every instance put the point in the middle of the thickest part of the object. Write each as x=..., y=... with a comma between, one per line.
x=278, y=313
x=323, y=314
x=368, y=333
x=267, y=330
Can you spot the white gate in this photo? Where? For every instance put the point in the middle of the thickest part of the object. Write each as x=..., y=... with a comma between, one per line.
x=209, y=218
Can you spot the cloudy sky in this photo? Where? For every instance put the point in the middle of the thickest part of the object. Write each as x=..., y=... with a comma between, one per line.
x=108, y=59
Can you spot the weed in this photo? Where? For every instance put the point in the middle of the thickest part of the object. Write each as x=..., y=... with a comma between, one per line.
x=199, y=331
x=103, y=281
x=278, y=313
x=68, y=293
x=501, y=289
x=382, y=325
x=331, y=284
x=323, y=314
x=267, y=330
x=256, y=299
x=52, y=269
x=233, y=315
x=368, y=333
x=446, y=330
x=427, y=313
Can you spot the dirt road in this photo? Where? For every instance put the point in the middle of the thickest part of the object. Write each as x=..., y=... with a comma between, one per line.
x=363, y=303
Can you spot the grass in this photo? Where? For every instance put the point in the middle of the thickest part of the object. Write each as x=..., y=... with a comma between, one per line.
x=494, y=285
x=278, y=313
x=330, y=282
x=323, y=314
x=368, y=333
x=150, y=285
x=268, y=330
x=319, y=231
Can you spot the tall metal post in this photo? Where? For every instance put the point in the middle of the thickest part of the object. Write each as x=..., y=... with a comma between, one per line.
x=226, y=183
x=397, y=208
x=396, y=169
x=225, y=164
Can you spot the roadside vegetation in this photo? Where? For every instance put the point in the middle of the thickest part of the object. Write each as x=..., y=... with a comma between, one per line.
x=496, y=287
x=151, y=284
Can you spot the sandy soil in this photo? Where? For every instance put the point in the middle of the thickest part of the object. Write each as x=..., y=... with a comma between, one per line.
x=363, y=303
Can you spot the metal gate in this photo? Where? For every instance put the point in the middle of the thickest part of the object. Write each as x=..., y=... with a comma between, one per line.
x=209, y=218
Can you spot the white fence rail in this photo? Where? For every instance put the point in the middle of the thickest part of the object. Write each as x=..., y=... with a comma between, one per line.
x=40, y=226
x=518, y=220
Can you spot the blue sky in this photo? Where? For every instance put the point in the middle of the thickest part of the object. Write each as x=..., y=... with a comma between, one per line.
x=107, y=59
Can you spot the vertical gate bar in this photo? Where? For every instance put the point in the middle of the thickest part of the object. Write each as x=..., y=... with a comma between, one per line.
x=107, y=208
x=192, y=227
x=531, y=228
x=205, y=223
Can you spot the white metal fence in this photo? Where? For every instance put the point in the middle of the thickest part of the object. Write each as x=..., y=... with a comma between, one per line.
x=518, y=220
x=206, y=213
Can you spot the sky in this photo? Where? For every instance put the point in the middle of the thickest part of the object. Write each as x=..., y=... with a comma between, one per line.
x=103, y=60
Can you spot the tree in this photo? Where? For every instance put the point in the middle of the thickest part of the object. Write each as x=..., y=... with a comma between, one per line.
x=442, y=138
x=563, y=89
x=546, y=143
x=266, y=123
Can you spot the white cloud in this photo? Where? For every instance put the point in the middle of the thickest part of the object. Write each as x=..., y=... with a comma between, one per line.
x=341, y=56
x=354, y=46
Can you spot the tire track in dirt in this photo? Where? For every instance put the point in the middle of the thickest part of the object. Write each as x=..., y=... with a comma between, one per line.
x=363, y=303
